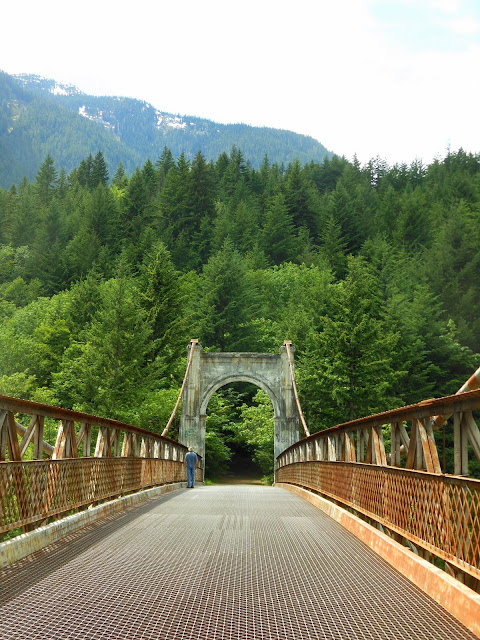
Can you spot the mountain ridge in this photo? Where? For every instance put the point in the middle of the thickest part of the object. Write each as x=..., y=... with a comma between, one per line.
x=40, y=116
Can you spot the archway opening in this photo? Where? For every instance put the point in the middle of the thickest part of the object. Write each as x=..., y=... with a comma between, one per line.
x=239, y=442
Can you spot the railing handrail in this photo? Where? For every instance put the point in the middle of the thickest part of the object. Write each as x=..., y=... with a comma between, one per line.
x=473, y=483
x=433, y=512
x=19, y=405
x=467, y=401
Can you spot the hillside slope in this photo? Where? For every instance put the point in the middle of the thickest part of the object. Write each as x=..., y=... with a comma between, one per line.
x=39, y=116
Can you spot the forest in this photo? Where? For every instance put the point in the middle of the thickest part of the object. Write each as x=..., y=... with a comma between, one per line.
x=34, y=123
x=370, y=270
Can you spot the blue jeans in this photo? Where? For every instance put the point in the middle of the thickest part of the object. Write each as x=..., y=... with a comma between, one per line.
x=190, y=477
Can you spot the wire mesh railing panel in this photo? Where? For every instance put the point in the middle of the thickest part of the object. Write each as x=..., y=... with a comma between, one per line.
x=36, y=490
x=439, y=513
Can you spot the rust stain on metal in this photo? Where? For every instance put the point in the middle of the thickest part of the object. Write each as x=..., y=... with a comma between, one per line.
x=439, y=513
x=126, y=459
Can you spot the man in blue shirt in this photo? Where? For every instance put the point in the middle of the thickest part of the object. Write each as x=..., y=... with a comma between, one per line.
x=191, y=462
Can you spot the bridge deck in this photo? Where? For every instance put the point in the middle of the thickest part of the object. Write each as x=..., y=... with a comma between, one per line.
x=220, y=562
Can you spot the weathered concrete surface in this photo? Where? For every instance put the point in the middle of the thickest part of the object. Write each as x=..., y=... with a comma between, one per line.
x=211, y=371
x=216, y=563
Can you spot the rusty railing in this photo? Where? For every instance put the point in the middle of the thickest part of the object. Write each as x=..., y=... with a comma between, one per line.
x=386, y=467
x=125, y=459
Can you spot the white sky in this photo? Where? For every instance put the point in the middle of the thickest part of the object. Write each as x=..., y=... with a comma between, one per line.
x=394, y=78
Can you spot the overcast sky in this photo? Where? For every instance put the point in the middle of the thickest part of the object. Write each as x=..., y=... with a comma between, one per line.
x=394, y=78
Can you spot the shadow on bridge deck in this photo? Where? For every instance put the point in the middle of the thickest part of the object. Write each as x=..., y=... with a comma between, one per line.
x=216, y=562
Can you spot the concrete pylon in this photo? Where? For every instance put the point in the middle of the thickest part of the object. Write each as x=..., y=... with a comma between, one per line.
x=211, y=371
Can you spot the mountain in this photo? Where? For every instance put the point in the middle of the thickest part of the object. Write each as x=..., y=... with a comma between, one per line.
x=39, y=116
x=33, y=125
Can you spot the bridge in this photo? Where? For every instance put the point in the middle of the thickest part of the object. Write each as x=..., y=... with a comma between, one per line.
x=362, y=536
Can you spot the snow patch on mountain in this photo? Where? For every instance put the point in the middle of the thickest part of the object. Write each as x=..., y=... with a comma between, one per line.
x=95, y=115
x=48, y=84
x=175, y=123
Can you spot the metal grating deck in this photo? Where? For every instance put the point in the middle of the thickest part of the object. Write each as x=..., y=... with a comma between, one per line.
x=220, y=562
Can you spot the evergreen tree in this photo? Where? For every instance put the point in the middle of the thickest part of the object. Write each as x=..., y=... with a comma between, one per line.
x=82, y=253
x=278, y=235
x=47, y=249
x=300, y=200
x=107, y=371
x=174, y=210
x=352, y=368
x=134, y=205
x=99, y=174
x=227, y=305
x=150, y=178
x=120, y=179
x=62, y=184
x=83, y=300
x=101, y=216
x=200, y=211
x=45, y=181
x=333, y=247
x=342, y=208
x=163, y=165
x=83, y=174
x=412, y=226
x=162, y=301
x=234, y=173
x=452, y=266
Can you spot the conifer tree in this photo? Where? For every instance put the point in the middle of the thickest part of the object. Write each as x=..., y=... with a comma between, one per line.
x=62, y=184
x=99, y=173
x=134, y=205
x=84, y=172
x=174, y=210
x=107, y=371
x=163, y=165
x=278, y=238
x=120, y=179
x=200, y=211
x=228, y=304
x=333, y=247
x=45, y=182
x=101, y=215
x=352, y=369
x=162, y=301
x=150, y=178
x=299, y=200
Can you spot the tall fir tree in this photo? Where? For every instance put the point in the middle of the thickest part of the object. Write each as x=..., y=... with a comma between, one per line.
x=278, y=239
x=45, y=182
x=228, y=303
x=99, y=173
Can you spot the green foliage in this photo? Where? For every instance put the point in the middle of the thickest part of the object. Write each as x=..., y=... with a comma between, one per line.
x=355, y=348
x=370, y=271
x=227, y=303
x=107, y=370
x=18, y=385
x=219, y=422
x=278, y=234
x=163, y=304
x=34, y=123
x=255, y=429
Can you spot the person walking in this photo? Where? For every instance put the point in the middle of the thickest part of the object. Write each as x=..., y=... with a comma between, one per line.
x=191, y=462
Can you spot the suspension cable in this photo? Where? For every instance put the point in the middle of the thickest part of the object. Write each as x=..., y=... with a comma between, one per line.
x=287, y=344
x=193, y=343
x=470, y=385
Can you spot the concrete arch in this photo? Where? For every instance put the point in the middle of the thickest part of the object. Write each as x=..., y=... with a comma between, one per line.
x=211, y=371
x=258, y=382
